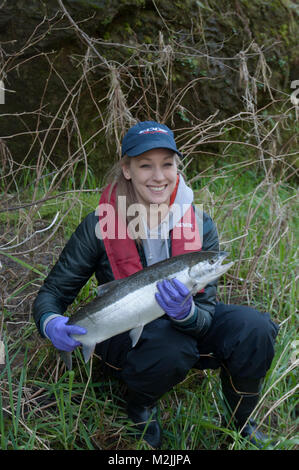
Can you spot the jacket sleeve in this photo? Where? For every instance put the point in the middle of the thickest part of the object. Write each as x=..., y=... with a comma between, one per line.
x=75, y=266
x=205, y=302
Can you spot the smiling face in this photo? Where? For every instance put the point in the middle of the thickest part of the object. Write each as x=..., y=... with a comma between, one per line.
x=153, y=175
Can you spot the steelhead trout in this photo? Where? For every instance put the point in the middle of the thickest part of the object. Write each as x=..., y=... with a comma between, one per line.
x=130, y=303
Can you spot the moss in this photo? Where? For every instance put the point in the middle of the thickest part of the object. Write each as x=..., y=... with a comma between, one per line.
x=128, y=28
x=285, y=33
x=219, y=29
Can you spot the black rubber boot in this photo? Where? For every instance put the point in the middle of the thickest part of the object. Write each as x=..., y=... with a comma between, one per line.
x=143, y=411
x=242, y=396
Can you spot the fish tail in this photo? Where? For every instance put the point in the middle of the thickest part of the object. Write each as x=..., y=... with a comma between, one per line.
x=66, y=356
x=87, y=352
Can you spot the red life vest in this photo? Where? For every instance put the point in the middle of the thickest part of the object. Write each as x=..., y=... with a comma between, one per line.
x=121, y=248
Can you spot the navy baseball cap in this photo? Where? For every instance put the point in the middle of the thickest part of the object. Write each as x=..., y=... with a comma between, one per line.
x=148, y=135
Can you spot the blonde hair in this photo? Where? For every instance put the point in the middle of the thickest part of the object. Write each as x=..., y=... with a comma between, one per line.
x=116, y=177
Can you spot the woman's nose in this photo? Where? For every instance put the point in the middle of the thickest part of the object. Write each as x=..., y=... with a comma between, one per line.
x=158, y=174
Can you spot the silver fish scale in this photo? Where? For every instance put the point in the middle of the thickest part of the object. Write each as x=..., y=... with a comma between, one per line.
x=163, y=270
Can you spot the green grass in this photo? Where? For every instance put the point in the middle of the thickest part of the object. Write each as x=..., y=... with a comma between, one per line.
x=44, y=407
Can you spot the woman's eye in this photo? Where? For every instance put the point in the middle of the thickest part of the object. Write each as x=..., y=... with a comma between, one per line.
x=165, y=165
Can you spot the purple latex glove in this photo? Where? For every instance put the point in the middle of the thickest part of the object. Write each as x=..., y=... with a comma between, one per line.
x=59, y=333
x=174, y=298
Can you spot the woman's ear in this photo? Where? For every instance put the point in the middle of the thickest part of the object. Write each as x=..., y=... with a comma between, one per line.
x=126, y=172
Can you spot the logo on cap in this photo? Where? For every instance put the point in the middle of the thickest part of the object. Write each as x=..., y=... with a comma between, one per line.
x=153, y=130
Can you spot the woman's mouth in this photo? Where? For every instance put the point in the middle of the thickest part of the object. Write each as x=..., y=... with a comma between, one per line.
x=157, y=189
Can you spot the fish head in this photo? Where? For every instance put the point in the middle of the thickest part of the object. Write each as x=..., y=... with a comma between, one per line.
x=207, y=270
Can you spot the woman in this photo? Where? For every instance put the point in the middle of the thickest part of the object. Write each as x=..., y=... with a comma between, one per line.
x=194, y=332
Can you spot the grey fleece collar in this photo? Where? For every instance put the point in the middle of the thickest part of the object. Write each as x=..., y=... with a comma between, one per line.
x=156, y=245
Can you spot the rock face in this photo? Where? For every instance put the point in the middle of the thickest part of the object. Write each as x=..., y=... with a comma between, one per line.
x=179, y=62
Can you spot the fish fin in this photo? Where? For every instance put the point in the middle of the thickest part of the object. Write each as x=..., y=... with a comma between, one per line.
x=66, y=356
x=135, y=334
x=104, y=288
x=87, y=351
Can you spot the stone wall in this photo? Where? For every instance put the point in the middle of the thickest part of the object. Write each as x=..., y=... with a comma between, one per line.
x=136, y=56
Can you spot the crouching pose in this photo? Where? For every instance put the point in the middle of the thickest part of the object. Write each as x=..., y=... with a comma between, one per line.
x=196, y=331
